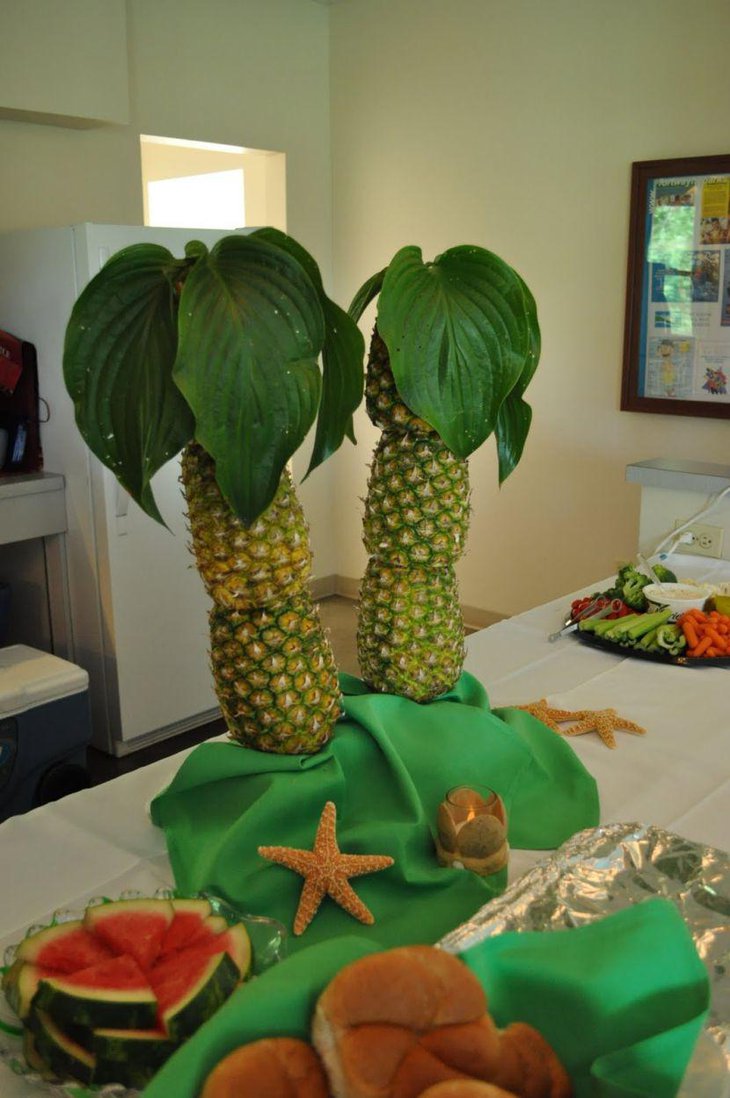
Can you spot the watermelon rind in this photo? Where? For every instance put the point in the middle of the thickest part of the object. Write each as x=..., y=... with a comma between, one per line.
x=217, y=979
x=33, y=1057
x=96, y=1007
x=216, y=924
x=239, y=949
x=129, y=1056
x=135, y=927
x=20, y=984
x=63, y=947
x=64, y=1056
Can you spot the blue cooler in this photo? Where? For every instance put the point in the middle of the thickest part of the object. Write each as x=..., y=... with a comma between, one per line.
x=45, y=726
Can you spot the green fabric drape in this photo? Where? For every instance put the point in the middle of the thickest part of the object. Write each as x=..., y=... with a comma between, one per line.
x=387, y=768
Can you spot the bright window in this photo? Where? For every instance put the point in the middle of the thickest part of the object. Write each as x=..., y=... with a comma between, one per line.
x=214, y=200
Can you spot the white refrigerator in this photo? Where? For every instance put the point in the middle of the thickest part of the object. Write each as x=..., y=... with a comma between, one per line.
x=138, y=610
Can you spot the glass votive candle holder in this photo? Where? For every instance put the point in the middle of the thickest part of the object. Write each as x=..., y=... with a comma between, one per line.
x=472, y=830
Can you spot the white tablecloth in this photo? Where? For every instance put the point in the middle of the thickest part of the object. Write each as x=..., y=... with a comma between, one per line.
x=101, y=842
x=677, y=775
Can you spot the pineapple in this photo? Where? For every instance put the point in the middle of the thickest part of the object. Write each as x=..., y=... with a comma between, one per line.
x=469, y=314
x=410, y=634
x=216, y=354
x=273, y=666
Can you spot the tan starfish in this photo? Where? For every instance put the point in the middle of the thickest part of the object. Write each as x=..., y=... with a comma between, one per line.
x=550, y=716
x=604, y=722
x=326, y=870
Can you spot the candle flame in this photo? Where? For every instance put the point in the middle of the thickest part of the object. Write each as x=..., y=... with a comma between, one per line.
x=471, y=814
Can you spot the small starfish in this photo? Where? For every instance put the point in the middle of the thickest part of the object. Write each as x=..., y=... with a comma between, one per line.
x=549, y=716
x=604, y=722
x=326, y=870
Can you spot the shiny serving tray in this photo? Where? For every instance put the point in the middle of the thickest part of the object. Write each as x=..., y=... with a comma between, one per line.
x=625, y=651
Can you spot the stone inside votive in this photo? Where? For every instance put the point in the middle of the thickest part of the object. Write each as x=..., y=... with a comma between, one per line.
x=472, y=830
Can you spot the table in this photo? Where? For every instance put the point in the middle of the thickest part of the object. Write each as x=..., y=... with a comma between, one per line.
x=100, y=841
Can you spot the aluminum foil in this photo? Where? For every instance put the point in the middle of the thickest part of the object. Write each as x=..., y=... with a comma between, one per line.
x=601, y=870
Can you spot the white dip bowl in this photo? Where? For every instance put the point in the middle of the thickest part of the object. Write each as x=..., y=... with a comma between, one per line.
x=677, y=596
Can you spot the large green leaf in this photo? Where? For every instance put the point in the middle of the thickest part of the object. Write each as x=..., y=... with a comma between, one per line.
x=515, y=415
x=457, y=336
x=367, y=293
x=342, y=358
x=120, y=346
x=251, y=329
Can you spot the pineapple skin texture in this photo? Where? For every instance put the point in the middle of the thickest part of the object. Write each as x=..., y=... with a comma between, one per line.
x=410, y=634
x=273, y=667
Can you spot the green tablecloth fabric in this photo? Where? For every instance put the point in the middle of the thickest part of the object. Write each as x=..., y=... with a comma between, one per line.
x=387, y=768
x=622, y=1001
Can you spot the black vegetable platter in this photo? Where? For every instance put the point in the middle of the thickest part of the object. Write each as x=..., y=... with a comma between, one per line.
x=656, y=657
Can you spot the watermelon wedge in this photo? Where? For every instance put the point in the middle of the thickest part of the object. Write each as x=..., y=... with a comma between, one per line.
x=113, y=993
x=234, y=941
x=188, y=925
x=134, y=927
x=64, y=947
x=190, y=986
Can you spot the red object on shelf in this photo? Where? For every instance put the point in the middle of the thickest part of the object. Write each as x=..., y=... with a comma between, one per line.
x=11, y=363
x=19, y=407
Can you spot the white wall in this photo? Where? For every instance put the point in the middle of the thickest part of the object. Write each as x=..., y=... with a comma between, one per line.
x=241, y=72
x=513, y=124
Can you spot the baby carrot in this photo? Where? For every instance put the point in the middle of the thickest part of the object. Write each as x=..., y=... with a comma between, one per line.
x=701, y=648
x=690, y=634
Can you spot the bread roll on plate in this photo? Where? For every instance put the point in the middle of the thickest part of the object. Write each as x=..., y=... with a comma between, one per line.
x=276, y=1067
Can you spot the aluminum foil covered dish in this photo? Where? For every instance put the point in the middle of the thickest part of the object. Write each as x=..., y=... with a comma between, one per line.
x=601, y=870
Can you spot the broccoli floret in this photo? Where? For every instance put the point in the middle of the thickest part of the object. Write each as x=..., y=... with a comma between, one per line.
x=630, y=584
x=664, y=574
x=633, y=591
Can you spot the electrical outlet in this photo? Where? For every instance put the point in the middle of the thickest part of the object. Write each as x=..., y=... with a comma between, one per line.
x=706, y=540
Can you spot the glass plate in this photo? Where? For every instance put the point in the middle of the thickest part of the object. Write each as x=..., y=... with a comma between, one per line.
x=268, y=946
x=655, y=657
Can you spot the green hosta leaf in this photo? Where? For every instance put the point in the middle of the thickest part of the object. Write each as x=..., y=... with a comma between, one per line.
x=367, y=293
x=251, y=328
x=120, y=346
x=458, y=337
x=342, y=358
x=342, y=383
x=515, y=415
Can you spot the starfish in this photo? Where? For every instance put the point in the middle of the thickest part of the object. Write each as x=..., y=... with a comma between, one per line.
x=549, y=716
x=326, y=871
x=604, y=722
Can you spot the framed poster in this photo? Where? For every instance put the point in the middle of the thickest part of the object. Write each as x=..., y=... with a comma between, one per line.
x=677, y=333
